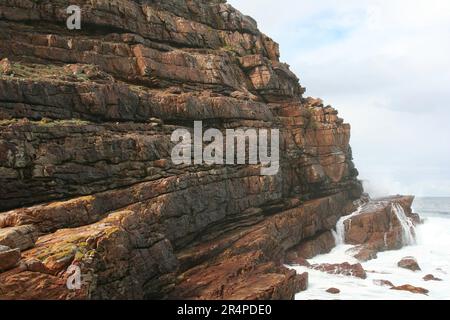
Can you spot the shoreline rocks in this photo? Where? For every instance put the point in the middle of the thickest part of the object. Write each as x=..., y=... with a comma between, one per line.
x=379, y=226
x=412, y=289
x=409, y=263
x=333, y=291
x=383, y=283
x=430, y=277
x=319, y=244
x=85, y=157
x=346, y=269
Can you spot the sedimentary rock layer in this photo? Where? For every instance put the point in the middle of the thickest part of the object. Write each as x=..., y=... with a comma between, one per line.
x=85, y=169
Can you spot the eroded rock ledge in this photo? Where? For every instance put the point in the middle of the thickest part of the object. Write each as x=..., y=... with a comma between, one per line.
x=85, y=167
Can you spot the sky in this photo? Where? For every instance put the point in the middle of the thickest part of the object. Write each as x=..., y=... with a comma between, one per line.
x=385, y=65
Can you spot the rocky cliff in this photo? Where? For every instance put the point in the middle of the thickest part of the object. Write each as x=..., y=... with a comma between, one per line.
x=85, y=169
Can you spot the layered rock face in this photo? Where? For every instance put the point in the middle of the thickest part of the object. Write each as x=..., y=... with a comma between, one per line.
x=85, y=154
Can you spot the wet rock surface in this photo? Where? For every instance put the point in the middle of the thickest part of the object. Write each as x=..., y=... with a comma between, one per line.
x=409, y=263
x=381, y=225
x=333, y=290
x=346, y=269
x=410, y=288
x=319, y=244
x=5, y=67
x=430, y=277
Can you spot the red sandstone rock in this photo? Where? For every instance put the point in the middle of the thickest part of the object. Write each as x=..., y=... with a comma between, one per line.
x=376, y=225
x=410, y=288
x=430, y=277
x=333, y=291
x=409, y=263
x=364, y=253
x=90, y=72
x=8, y=258
x=347, y=269
x=302, y=281
x=376, y=228
x=293, y=259
x=320, y=244
x=21, y=237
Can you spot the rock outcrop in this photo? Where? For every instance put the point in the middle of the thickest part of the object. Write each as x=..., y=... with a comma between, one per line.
x=380, y=225
x=85, y=155
x=430, y=277
x=319, y=244
x=409, y=263
x=412, y=289
x=346, y=269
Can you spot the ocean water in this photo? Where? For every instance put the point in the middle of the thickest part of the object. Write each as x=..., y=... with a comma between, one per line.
x=431, y=248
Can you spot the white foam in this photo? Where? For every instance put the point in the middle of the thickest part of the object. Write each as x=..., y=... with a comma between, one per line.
x=339, y=234
x=431, y=251
x=406, y=223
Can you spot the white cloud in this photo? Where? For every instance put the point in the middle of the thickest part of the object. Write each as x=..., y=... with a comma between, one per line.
x=385, y=66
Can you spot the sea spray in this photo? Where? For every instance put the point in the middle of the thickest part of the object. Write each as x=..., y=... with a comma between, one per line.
x=431, y=251
x=339, y=234
x=408, y=237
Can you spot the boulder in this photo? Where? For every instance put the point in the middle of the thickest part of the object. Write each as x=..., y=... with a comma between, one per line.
x=379, y=226
x=430, y=277
x=302, y=281
x=347, y=269
x=333, y=291
x=363, y=253
x=412, y=289
x=409, y=263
